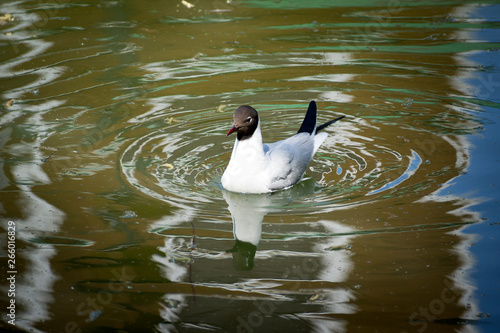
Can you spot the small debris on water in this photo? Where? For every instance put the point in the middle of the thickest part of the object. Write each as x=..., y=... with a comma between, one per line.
x=94, y=315
x=483, y=315
x=407, y=103
x=9, y=103
x=151, y=31
x=48, y=148
x=338, y=248
x=128, y=214
x=198, y=55
x=172, y=303
x=6, y=18
x=318, y=298
x=221, y=108
x=53, y=151
x=187, y=4
x=168, y=166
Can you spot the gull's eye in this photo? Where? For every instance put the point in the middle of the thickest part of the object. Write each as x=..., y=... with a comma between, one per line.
x=249, y=120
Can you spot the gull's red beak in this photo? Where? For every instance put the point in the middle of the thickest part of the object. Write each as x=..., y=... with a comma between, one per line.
x=233, y=129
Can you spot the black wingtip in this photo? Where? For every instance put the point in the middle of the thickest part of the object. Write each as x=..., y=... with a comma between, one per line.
x=328, y=123
x=309, y=123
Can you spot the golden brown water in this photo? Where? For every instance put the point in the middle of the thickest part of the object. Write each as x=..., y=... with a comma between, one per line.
x=113, y=143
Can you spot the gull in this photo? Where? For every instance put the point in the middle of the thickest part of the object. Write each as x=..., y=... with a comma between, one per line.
x=256, y=167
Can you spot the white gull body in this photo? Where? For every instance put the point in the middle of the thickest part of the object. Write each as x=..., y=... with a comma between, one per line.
x=255, y=167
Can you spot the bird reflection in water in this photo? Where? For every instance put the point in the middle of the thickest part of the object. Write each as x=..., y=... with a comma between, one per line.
x=248, y=211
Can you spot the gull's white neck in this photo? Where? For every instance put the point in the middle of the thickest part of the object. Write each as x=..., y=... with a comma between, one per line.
x=248, y=149
x=246, y=171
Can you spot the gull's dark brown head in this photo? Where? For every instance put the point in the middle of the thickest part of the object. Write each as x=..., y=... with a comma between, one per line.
x=246, y=120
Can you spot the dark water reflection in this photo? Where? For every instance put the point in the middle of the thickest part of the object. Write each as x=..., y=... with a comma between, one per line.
x=112, y=134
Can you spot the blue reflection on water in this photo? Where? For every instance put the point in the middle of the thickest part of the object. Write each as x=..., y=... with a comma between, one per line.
x=415, y=162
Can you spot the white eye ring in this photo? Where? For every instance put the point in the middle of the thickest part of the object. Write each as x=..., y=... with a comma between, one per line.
x=249, y=119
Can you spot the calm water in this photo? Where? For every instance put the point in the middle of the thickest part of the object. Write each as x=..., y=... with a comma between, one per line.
x=112, y=131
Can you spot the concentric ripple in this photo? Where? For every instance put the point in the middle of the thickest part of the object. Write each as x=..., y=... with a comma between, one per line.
x=181, y=162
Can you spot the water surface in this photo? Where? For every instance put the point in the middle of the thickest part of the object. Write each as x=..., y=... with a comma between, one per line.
x=113, y=143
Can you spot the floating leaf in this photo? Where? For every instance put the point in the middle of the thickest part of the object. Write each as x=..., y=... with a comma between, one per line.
x=187, y=4
x=168, y=166
x=9, y=103
x=6, y=18
x=221, y=108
